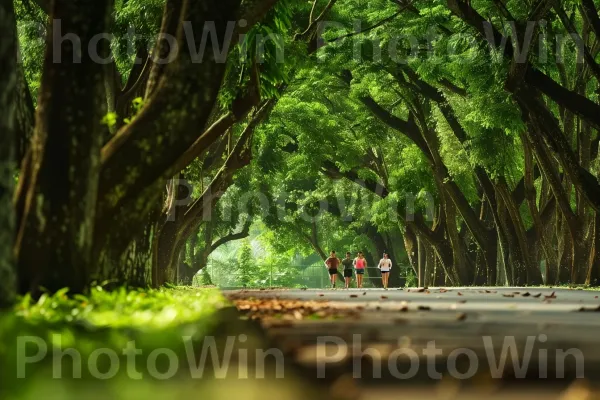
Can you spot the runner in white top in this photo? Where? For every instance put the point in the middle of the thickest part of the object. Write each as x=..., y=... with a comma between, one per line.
x=385, y=265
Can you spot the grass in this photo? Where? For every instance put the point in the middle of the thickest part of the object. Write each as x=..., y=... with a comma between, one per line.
x=151, y=319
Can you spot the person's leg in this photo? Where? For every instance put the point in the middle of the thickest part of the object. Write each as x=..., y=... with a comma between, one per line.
x=333, y=279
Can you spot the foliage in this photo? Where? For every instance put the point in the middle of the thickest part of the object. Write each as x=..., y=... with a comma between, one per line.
x=152, y=319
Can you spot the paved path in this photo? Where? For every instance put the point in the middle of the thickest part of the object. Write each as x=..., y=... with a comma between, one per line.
x=467, y=327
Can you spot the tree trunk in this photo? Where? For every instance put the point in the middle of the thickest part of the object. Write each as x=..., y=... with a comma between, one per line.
x=8, y=85
x=412, y=248
x=128, y=263
x=55, y=236
x=593, y=277
x=422, y=278
x=527, y=272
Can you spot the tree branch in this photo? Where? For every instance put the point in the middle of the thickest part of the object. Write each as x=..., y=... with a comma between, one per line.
x=591, y=13
x=244, y=233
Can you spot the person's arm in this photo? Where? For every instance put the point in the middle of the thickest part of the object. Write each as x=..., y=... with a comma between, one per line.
x=379, y=265
x=390, y=264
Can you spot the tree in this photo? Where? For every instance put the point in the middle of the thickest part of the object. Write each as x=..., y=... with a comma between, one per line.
x=8, y=80
x=245, y=264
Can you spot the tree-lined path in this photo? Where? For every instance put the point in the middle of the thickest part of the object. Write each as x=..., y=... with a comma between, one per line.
x=143, y=140
x=459, y=136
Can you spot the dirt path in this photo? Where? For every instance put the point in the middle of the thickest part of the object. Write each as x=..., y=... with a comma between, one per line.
x=443, y=343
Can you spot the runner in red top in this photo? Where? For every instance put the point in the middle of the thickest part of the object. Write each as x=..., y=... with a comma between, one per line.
x=360, y=263
x=332, y=264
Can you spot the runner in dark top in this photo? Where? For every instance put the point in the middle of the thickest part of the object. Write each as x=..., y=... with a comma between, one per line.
x=332, y=264
x=348, y=265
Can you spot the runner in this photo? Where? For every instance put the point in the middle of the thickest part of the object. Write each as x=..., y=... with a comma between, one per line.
x=360, y=264
x=332, y=264
x=385, y=265
x=348, y=263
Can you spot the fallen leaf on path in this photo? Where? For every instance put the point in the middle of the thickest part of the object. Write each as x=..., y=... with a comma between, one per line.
x=462, y=301
x=552, y=296
x=321, y=295
x=516, y=292
x=508, y=295
x=526, y=294
x=403, y=309
x=298, y=315
x=353, y=295
x=537, y=295
x=378, y=308
x=364, y=293
x=421, y=290
x=424, y=308
x=459, y=293
x=461, y=316
x=383, y=297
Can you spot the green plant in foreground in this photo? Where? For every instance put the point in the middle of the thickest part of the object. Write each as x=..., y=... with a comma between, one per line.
x=106, y=321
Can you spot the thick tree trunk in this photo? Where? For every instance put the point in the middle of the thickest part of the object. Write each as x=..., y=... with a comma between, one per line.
x=56, y=231
x=128, y=263
x=8, y=162
x=25, y=115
